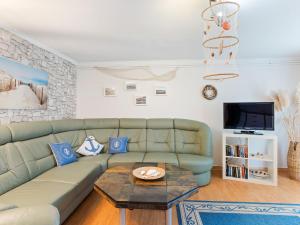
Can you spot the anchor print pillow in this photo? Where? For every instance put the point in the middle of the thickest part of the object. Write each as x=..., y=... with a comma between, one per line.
x=90, y=147
x=117, y=145
x=63, y=153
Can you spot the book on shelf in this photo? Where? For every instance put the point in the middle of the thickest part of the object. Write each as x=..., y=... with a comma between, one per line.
x=237, y=151
x=236, y=170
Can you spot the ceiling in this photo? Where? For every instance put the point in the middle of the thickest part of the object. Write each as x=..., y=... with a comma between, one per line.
x=115, y=30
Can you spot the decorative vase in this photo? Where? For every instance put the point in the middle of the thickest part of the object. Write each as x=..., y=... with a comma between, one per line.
x=294, y=160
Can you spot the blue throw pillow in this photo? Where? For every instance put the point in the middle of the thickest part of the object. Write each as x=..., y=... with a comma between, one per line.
x=117, y=145
x=63, y=153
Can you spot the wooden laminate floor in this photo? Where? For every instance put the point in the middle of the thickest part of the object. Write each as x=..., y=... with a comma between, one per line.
x=95, y=210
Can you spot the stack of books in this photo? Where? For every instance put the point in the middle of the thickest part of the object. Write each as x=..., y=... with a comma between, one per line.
x=237, y=150
x=237, y=171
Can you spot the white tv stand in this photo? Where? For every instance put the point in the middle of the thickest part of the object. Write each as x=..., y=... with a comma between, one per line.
x=250, y=158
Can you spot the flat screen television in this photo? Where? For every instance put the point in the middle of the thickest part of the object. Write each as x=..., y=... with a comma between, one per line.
x=249, y=116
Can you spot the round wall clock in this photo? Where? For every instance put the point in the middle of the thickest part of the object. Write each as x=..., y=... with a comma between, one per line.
x=209, y=92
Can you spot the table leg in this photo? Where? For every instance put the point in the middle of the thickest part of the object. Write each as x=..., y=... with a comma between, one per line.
x=122, y=216
x=169, y=217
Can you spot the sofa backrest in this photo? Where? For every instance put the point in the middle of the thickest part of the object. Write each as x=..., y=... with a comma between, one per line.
x=135, y=130
x=25, y=152
x=160, y=135
x=102, y=129
x=192, y=137
x=13, y=171
x=71, y=131
x=32, y=142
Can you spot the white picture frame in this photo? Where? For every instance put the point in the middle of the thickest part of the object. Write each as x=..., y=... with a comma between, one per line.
x=141, y=100
x=130, y=86
x=109, y=92
x=160, y=91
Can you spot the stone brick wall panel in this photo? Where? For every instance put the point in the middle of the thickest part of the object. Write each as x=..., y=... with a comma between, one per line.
x=62, y=79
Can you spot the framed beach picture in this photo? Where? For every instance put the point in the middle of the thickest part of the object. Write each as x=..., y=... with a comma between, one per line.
x=109, y=92
x=21, y=86
x=160, y=91
x=130, y=86
x=141, y=100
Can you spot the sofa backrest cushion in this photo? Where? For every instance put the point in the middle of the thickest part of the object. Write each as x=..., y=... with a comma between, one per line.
x=5, y=135
x=160, y=135
x=37, y=154
x=60, y=126
x=74, y=138
x=13, y=171
x=101, y=123
x=32, y=141
x=135, y=130
x=24, y=131
x=187, y=136
x=70, y=131
x=102, y=129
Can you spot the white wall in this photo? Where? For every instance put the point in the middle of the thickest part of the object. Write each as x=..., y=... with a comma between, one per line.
x=184, y=99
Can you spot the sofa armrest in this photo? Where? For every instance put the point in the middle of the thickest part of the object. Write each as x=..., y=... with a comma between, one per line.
x=205, y=140
x=34, y=215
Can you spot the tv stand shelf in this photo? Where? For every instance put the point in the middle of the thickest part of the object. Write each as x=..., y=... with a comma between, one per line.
x=250, y=158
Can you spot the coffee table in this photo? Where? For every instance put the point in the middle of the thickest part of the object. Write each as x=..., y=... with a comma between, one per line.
x=124, y=191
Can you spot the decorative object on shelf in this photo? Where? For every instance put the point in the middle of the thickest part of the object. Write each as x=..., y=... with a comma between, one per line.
x=22, y=86
x=220, y=40
x=141, y=100
x=109, y=92
x=149, y=173
x=160, y=91
x=130, y=86
x=260, y=173
x=257, y=155
x=138, y=73
x=290, y=115
x=209, y=92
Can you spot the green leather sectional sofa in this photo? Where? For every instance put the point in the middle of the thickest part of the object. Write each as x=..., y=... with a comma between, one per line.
x=33, y=190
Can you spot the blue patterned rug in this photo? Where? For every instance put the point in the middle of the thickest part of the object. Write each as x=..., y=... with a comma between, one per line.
x=237, y=213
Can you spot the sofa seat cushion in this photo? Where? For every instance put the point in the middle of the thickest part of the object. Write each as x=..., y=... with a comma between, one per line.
x=161, y=157
x=58, y=194
x=196, y=163
x=34, y=215
x=58, y=186
x=129, y=157
x=74, y=173
x=100, y=159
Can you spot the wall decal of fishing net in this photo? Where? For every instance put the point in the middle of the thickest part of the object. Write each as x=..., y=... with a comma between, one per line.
x=143, y=73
